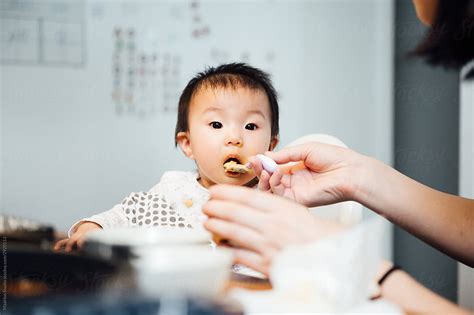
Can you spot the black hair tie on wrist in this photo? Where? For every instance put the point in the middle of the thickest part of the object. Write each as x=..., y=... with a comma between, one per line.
x=387, y=273
x=382, y=279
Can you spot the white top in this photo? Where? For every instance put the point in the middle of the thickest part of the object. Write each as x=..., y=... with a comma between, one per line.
x=176, y=201
x=466, y=176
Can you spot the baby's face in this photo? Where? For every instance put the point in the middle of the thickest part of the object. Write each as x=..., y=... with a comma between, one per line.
x=224, y=124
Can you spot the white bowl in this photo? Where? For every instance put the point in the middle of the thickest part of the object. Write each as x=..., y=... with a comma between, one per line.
x=182, y=270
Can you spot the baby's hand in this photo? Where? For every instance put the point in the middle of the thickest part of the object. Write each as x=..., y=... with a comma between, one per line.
x=77, y=239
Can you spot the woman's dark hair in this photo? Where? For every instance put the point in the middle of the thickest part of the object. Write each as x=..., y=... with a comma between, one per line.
x=450, y=40
x=231, y=75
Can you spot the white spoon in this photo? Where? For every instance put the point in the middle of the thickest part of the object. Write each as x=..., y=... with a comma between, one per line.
x=268, y=164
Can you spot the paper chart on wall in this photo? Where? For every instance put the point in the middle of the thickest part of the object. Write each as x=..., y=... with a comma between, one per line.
x=153, y=47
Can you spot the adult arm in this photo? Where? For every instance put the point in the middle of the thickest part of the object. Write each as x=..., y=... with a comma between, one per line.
x=334, y=174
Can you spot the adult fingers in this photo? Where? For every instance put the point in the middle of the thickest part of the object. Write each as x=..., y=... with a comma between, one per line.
x=256, y=165
x=253, y=260
x=250, y=197
x=240, y=236
x=235, y=212
x=269, y=235
x=275, y=182
x=291, y=154
x=316, y=156
x=263, y=183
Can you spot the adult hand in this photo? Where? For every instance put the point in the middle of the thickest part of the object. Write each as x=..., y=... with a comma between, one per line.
x=259, y=224
x=78, y=238
x=326, y=174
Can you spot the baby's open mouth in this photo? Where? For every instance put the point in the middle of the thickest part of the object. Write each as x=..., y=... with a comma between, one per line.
x=234, y=166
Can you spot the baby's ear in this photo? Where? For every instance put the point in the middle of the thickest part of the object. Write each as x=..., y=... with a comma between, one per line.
x=182, y=138
x=273, y=143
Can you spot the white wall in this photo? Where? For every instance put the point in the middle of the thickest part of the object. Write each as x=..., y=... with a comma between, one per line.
x=68, y=154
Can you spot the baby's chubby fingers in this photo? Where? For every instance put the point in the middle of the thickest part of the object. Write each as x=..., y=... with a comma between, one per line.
x=72, y=243
x=80, y=242
x=60, y=244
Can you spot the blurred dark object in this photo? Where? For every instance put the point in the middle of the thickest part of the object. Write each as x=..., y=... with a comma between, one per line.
x=34, y=269
x=450, y=40
x=123, y=304
x=110, y=252
x=26, y=231
x=95, y=280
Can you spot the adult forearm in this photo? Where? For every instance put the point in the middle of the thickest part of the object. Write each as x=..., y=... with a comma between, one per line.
x=442, y=220
x=402, y=290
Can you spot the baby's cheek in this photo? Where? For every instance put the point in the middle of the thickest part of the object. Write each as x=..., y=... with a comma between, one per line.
x=261, y=148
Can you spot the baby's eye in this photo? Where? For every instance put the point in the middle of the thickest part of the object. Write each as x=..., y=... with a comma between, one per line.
x=216, y=125
x=251, y=126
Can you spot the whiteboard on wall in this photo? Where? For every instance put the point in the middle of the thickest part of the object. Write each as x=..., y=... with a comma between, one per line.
x=49, y=33
x=76, y=140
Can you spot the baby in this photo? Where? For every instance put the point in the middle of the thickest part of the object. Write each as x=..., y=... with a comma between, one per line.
x=225, y=115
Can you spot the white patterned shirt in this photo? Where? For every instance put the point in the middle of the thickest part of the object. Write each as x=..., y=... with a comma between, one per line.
x=176, y=201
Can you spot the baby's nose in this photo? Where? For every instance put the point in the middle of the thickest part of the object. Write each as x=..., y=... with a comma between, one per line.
x=236, y=141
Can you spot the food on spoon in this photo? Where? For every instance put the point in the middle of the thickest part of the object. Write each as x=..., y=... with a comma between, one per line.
x=234, y=167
